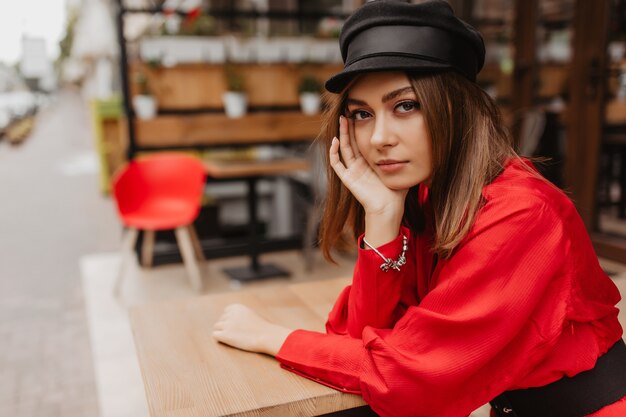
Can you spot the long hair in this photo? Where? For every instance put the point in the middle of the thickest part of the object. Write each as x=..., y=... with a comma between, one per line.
x=469, y=148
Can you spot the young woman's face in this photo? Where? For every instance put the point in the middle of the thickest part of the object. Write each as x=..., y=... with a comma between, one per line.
x=390, y=129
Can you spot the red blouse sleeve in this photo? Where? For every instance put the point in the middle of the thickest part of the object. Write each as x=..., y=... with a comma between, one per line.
x=374, y=298
x=493, y=311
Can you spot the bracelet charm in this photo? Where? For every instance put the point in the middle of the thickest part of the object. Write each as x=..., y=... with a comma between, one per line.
x=388, y=262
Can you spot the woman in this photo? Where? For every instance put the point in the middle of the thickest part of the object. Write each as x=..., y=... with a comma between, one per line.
x=475, y=281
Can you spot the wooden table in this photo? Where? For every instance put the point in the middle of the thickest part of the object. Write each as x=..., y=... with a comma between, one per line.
x=240, y=168
x=188, y=374
x=251, y=172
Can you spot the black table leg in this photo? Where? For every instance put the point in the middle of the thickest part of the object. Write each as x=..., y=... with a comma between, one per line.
x=255, y=270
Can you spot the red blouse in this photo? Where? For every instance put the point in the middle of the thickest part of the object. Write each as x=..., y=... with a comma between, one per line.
x=522, y=302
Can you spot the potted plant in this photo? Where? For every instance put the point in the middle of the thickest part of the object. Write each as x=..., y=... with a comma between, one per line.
x=310, y=99
x=235, y=98
x=144, y=103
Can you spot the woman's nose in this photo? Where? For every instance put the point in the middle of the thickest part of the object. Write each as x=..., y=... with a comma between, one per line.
x=383, y=135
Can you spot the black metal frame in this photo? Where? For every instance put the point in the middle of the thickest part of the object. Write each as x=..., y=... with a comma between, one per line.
x=128, y=108
x=251, y=14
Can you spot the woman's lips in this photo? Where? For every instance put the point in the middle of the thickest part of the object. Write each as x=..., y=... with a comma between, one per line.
x=389, y=166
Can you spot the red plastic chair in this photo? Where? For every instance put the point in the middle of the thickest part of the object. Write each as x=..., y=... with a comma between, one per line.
x=160, y=192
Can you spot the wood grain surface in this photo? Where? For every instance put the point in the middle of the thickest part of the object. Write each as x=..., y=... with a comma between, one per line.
x=218, y=129
x=236, y=169
x=187, y=373
x=192, y=86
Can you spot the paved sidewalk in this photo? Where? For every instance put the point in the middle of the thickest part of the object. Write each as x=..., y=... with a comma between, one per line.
x=50, y=215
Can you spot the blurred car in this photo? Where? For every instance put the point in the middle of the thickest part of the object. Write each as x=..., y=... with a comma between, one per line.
x=17, y=109
x=5, y=120
x=18, y=104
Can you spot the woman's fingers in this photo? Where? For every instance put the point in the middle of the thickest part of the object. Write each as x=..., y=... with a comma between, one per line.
x=347, y=153
x=335, y=161
x=355, y=148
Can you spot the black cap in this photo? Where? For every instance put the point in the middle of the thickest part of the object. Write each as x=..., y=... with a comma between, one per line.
x=388, y=35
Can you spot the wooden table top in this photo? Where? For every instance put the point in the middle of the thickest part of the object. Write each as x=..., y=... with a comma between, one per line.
x=239, y=168
x=187, y=373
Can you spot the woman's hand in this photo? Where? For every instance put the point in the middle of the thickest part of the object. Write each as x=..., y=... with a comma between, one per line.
x=242, y=328
x=383, y=206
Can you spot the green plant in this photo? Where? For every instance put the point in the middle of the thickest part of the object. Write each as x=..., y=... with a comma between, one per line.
x=155, y=63
x=198, y=25
x=329, y=27
x=65, y=44
x=309, y=84
x=143, y=85
x=234, y=79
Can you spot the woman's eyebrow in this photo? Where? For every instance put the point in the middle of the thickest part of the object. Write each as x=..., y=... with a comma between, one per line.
x=388, y=96
x=395, y=93
x=355, y=102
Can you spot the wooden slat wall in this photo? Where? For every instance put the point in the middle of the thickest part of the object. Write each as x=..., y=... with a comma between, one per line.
x=217, y=129
x=194, y=86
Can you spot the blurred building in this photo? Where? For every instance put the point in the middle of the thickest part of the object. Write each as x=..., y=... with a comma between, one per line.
x=36, y=65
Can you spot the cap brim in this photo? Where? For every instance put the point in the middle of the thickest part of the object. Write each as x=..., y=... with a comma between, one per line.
x=339, y=81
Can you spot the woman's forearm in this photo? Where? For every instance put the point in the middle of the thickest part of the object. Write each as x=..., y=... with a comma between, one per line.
x=381, y=228
x=274, y=339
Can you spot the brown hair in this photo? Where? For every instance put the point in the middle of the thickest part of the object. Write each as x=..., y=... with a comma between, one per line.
x=469, y=146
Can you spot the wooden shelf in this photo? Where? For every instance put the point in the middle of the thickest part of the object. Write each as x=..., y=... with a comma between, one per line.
x=218, y=129
x=552, y=79
x=193, y=86
x=615, y=112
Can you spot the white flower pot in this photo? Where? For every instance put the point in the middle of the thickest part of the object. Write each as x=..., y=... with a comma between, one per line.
x=145, y=106
x=310, y=103
x=235, y=104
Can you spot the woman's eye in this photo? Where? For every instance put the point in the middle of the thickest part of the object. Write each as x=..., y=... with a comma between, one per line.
x=406, y=106
x=359, y=115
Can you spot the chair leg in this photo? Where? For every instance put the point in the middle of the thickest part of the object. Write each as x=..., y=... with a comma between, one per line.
x=128, y=243
x=197, y=247
x=186, y=249
x=147, y=248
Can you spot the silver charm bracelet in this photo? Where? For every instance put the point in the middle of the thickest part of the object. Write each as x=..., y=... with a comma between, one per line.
x=390, y=263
